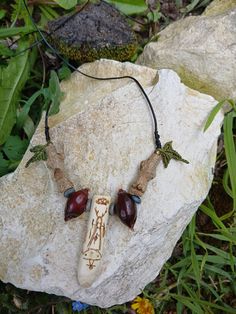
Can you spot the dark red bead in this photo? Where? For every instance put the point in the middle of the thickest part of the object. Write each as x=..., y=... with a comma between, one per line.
x=126, y=208
x=76, y=204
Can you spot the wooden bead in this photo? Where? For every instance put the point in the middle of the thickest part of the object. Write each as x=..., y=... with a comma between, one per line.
x=147, y=172
x=76, y=204
x=126, y=208
x=55, y=162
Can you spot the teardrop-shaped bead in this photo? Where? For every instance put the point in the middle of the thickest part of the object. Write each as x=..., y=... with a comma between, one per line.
x=76, y=204
x=126, y=208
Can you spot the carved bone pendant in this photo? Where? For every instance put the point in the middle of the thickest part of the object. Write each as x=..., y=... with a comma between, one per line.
x=90, y=259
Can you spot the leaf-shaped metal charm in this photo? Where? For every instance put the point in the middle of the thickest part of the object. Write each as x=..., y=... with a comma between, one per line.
x=39, y=154
x=168, y=153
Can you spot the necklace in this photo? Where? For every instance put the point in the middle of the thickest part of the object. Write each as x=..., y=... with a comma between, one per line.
x=78, y=201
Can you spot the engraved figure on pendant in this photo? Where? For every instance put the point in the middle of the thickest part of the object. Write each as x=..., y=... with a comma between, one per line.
x=96, y=233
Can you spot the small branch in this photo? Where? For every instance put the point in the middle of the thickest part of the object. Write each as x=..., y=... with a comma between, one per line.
x=147, y=172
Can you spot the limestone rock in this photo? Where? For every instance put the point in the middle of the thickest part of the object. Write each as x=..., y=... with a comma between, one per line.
x=217, y=7
x=201, y=49
x=99, y=30
x=104, y=130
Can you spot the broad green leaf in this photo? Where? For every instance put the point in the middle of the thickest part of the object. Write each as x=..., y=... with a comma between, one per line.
x=55, y=93
x=48, y=14
x=12, y=80
x=66, y=4
x=29, y=127
x=4, y=164
x=5, y=51
x=129, y=7
x=13, y=31
x=14, y=148
x=23, y=114
x=2, y=13
x=64, y=73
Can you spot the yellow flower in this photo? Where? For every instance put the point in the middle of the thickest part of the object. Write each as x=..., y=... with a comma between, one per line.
x=142, y=306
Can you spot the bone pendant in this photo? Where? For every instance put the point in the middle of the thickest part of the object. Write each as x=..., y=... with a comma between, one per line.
x=90, y=259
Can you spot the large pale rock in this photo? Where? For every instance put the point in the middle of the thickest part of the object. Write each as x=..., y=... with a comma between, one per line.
x=104, y=129
x=201, y=49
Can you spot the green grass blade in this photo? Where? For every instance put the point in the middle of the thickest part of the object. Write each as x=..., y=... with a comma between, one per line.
x=195, y=264
x=183, y=262
x=214, y=293
x=225, y=182
x=219, y=271
x=230, y=152
x=191, y=6
x=215, y=219
x=214, y=259
x=228, y=237
x=213, y=113
x=220, y=253
x=13, y=31
x=189, y=303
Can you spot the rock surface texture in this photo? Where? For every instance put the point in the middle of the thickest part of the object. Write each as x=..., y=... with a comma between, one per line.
x=201, y=49
x=104, y=129
x=217, y=7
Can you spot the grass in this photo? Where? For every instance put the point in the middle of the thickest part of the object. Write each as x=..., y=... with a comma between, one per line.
x=200, y=276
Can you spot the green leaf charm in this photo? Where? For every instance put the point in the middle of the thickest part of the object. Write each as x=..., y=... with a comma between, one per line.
x=168, y=153
x=40, y=153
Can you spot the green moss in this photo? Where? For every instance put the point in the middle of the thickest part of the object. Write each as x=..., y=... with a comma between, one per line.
x=219, y=7
x=98, y=31
x=193, y=81
x=85, y=53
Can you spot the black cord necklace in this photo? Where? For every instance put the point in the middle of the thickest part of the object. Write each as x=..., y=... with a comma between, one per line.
x=126, y=201
x=77, y=201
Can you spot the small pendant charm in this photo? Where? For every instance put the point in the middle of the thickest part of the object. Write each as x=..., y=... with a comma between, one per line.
x=76, y=204
x=126, y=208
x=90, y=259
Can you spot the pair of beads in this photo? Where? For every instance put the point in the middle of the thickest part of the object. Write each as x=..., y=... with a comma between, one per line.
x=125, y=207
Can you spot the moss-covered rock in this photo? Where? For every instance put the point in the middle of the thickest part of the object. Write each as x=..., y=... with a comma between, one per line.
x=97, y=31
x=219, y=7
